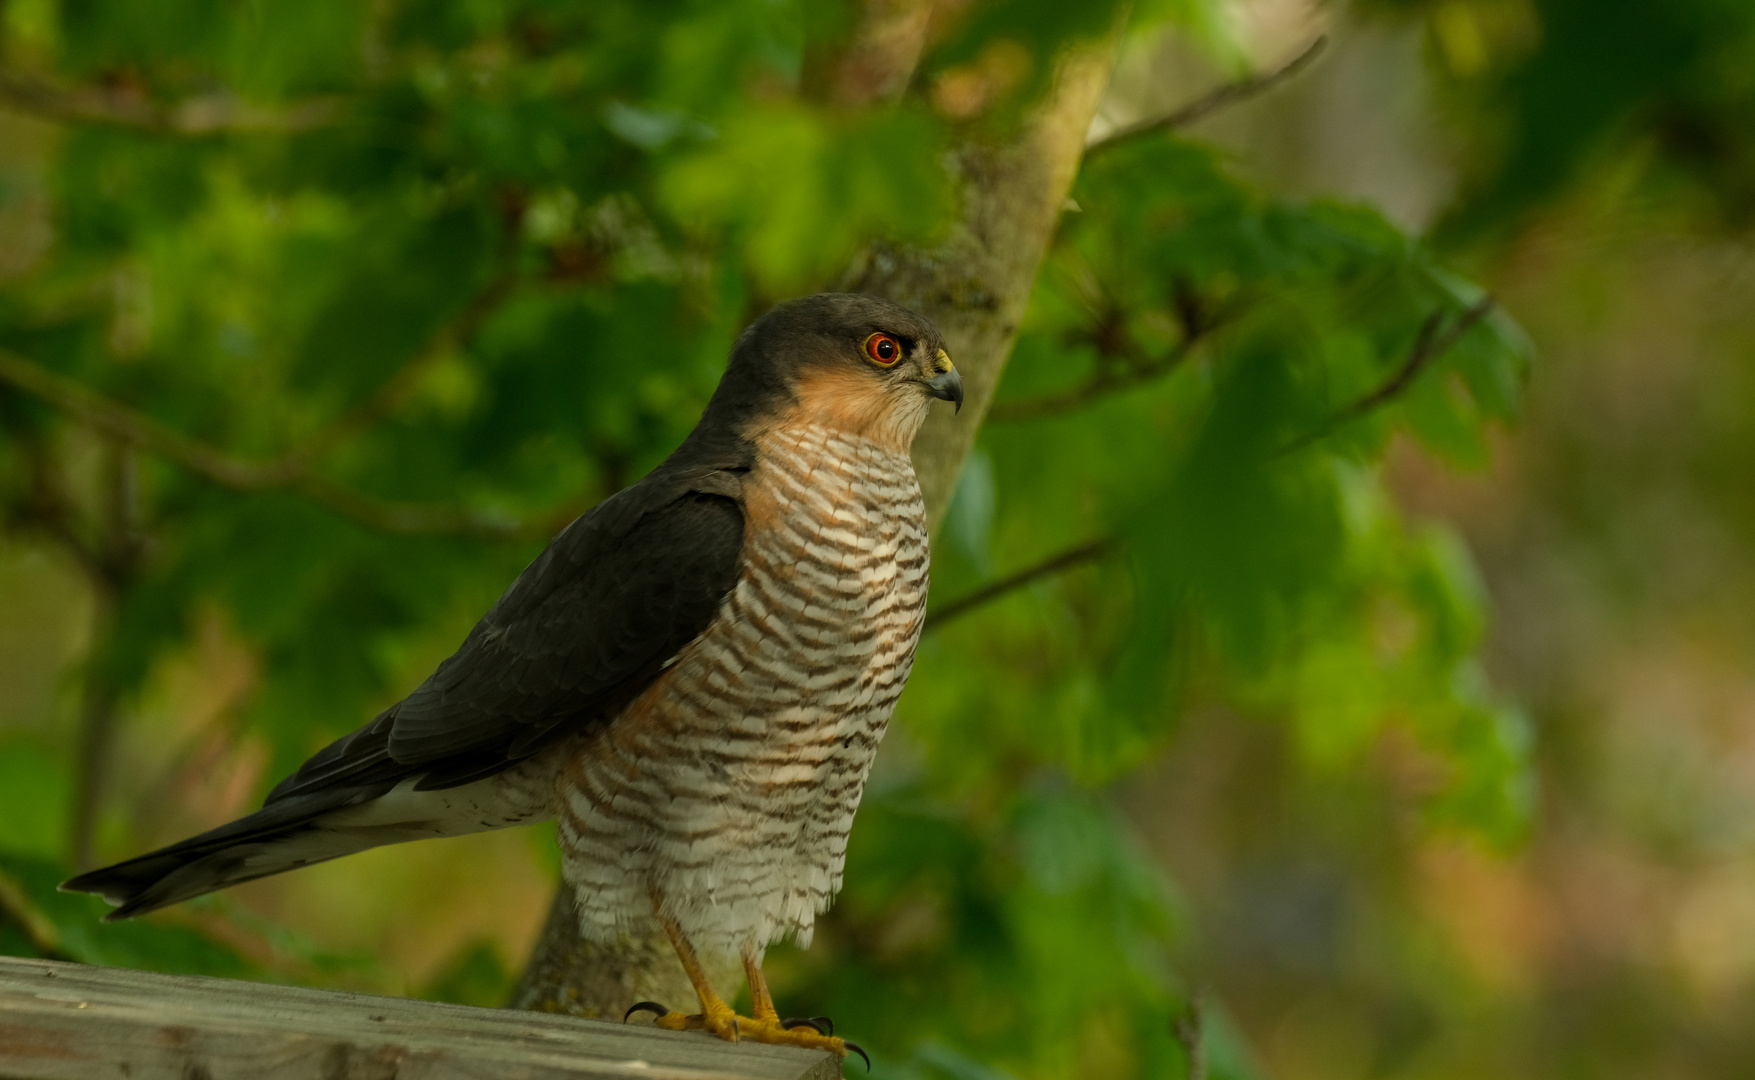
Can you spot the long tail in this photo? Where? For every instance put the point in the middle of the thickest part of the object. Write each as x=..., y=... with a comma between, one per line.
x=284, y=835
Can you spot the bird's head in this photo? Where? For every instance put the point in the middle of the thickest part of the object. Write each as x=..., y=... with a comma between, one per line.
x=842, y=360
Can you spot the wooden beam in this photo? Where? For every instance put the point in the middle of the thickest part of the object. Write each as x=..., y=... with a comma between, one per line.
x=74, y=1022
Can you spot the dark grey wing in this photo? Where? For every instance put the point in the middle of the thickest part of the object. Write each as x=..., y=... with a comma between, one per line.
x=582, y=631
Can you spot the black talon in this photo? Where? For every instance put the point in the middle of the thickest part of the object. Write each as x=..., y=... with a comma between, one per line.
x=645, y=1006
x=810, y=1022
x=855, y=1048
x=822, y=1022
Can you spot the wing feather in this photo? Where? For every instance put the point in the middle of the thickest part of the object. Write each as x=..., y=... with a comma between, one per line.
x=577, y=636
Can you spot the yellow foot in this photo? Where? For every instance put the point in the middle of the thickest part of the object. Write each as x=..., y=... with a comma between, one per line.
x=720, y=1021
x=800, y=1034
x=731, y=1027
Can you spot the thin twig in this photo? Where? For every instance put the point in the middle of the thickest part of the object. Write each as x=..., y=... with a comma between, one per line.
x=1107, y=381
x=124, y=541
x=47, y=507
x=1432, y=342
x=133, y=428
x=400, y=387
x=1121, y=364
x=1189, y=1027
x=1210, y=102
x=136, y=429
x=122, y=549
x=207, y=114
x=1088, y=552
x=121, y=552
x=99, y=715
x=1428, y=347
x=17, y=907
x=294, y=470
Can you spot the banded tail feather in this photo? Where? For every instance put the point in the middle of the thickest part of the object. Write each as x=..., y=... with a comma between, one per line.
x=300, y=828
x=283, y=835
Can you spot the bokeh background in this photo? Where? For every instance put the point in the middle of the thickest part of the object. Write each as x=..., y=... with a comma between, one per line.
x=1407, y=725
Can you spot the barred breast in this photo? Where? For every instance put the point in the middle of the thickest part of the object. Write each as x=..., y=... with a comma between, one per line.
x=728, y=788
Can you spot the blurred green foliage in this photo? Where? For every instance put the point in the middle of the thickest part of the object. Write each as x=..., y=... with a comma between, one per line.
x=1264, y=564
x=422, y=280
x=1558, y=94
x=42, y=922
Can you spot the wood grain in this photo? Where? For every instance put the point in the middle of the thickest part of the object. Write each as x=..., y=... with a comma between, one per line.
x=73, y=1022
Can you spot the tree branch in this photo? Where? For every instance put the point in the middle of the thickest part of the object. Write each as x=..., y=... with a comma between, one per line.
x=129, y=107
x=1429, y=344
x=293, y=470
x=1101, y=385
x=1189, y=1028
x=46, y=507
x=975, y=283
x=875, y=62
x=16, y=907
x=1108, y=380
x=109, y=551
x=136, y=429
x=120, y=551
x=1084, y=553
x=99, y=714
x=1210, y=102
x=1121, y=364
x=400, y=387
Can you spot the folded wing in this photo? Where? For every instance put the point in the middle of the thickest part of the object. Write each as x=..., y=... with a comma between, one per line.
x=587, y=626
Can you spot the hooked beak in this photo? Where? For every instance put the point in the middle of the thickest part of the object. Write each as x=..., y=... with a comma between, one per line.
x=947, y=385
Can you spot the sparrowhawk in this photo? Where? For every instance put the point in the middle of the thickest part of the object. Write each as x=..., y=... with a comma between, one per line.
x=693, y=677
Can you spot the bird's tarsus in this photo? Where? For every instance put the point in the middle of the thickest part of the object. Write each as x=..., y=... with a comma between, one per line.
x=645, y=1006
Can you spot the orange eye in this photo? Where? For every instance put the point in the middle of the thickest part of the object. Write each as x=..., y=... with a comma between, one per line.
x=883, y=349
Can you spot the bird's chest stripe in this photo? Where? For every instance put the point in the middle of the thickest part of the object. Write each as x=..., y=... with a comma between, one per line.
x=810, y=651
x=838, y=549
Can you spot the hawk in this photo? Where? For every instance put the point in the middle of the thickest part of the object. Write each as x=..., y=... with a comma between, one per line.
x=693, y=677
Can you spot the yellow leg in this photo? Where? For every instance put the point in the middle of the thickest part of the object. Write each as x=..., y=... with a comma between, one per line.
x=761, y=1002
x=765, y=1026
x=716, y=1016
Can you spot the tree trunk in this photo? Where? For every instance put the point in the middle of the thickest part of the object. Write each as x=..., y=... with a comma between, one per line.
x=974, y=287
x=568, y=973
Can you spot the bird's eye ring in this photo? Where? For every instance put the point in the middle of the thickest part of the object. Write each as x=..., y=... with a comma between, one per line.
x=883, y=349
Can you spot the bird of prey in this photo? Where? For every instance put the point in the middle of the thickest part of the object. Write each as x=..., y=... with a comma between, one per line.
x=693, y=677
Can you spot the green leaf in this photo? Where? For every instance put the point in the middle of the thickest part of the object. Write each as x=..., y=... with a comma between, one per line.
x=804, y=189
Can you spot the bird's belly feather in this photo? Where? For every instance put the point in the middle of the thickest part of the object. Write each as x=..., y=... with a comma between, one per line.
x=727, y=789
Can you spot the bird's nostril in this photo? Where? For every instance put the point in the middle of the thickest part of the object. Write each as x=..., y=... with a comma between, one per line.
x=947, y=386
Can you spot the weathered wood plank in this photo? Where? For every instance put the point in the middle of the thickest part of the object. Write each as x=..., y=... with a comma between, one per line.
x=73, y=1022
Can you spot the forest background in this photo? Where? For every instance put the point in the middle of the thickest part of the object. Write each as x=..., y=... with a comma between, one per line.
x=1360, y=559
